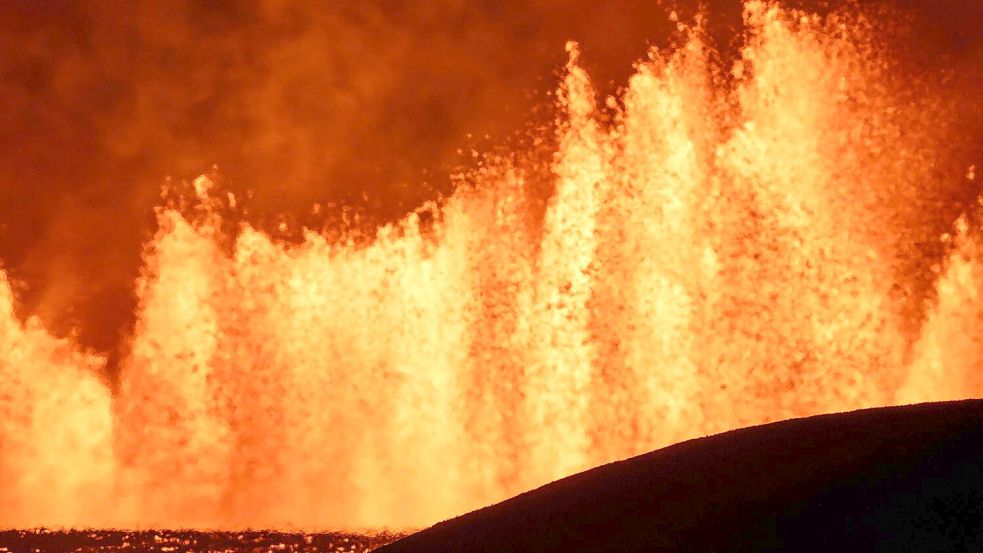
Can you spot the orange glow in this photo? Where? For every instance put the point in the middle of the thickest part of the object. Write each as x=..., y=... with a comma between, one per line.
x=947, y=358
x=55, y=427
x=717, y=251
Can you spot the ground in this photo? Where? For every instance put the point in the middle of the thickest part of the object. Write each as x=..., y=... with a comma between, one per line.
x=890, y=479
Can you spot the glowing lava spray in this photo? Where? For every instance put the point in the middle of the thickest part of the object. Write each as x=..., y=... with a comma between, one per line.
x=719, y=249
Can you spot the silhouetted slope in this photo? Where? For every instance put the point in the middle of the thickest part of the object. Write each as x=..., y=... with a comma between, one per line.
x=890, y=479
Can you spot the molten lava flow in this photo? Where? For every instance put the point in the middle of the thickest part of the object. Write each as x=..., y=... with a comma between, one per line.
x=722, y=250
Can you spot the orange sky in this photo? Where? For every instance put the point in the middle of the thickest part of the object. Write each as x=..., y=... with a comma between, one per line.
x=298, y=103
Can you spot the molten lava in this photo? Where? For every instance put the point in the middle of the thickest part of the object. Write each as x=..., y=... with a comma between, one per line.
x=718, y=250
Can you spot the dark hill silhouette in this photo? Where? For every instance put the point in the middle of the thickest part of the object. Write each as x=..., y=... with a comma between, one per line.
x=887, y=479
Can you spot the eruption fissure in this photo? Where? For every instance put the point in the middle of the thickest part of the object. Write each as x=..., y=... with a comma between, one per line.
x=723, y=252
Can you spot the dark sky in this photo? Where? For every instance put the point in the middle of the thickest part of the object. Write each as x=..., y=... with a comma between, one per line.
x=298, y=102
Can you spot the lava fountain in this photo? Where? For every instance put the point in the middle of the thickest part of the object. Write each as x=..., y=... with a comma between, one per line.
x=718, y=249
